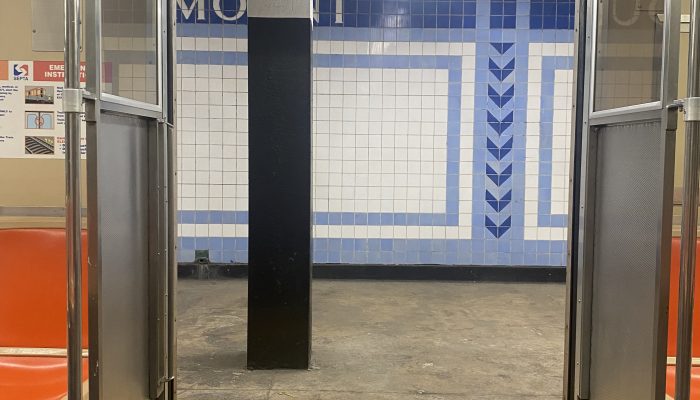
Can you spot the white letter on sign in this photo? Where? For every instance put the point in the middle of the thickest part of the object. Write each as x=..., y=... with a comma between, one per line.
x=241, y=10
x=187, y=11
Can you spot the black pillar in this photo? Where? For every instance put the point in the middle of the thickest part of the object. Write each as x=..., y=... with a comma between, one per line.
x=279, y=86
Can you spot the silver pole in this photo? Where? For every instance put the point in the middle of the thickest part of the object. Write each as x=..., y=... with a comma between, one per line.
x=172, y=203
x=689, y=221
x=72, y=104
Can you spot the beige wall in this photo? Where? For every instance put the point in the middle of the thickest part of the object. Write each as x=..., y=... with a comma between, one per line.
x=682, y=90
x=680, y=136
x=682, y=82
x=28, y=182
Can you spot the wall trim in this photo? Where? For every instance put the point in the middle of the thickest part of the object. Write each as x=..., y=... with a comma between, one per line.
x=466, y=273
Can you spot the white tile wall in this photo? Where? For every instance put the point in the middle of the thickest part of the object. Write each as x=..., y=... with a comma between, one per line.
x=380, y=140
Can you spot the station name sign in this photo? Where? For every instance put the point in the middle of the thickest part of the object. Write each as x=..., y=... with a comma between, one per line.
x=236, y=11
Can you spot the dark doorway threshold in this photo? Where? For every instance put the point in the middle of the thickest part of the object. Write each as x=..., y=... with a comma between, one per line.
x=475, y=273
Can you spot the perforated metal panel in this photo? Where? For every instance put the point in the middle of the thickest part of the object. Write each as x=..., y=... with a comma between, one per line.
x=118, y=152
x=628, y=213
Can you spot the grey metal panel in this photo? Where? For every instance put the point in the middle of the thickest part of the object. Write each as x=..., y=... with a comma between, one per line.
x=47, y=29
x=631, y=162
x=119, y=202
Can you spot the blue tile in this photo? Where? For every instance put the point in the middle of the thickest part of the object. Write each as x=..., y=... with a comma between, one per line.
x=348, y=244
x=321, y=218
x=399, y=245
x=347, y=257
x=387, y=257
x=216, y=256
x=333, y=257
x=320, y=256
x=361, y=245
x=334, y=244
x=188, y=243
x=320, y=244
x=387, y=245
x=229, y=244
x=361, y=258
x=228, y=256
x=334, y=219
x=348, y=218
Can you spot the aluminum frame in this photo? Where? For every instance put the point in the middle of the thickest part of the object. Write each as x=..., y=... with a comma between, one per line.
x=161, y=198
x=647, y=106
x=170, y=112
x=663, y=109
x=578, y=115
x=689, y=218
x=112, y=101
x=588, y=152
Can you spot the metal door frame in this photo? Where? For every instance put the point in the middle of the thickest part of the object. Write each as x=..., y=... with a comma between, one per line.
x=583, y=195
x=162, y=198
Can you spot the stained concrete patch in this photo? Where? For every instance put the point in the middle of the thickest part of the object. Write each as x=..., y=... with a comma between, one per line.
x=384, y=340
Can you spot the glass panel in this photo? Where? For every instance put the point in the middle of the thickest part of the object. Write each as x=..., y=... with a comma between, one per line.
x=130, y=49
x=628, y=53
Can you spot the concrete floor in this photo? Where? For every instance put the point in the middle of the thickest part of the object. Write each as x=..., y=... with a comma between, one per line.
x=384, y=341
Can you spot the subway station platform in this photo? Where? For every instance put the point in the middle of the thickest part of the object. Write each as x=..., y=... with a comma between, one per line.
x=383, y=341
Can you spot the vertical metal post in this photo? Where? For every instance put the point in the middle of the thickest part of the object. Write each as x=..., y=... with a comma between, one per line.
x=171, y=92
x=72, y=104
x=689, y=221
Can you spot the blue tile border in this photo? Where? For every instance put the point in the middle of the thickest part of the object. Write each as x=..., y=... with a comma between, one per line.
x=399, y=34
x=395, y=251
x=552, y=14
x=452, y=63
x=454, y=97
x=416, y=14
x=544, y=216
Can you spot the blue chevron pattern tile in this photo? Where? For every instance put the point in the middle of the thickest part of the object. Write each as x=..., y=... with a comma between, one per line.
x=502, y=47
x=499, y=152
x=499, y=139
x=499, y=204
x=500, y=125
x=501, y=99
x=501, y=72
x=499, y=178
x=496, y=229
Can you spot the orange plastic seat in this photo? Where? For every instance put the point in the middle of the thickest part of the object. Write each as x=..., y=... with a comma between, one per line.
x=694, y=382
x=673, y=323
x=34, y=378
x=673, y=301
x=33, y=311
x=33, y=286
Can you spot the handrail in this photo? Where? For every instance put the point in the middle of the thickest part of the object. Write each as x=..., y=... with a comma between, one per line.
x=72, y=108
x=689, y=218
